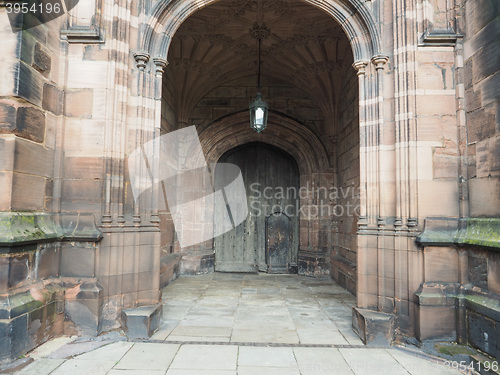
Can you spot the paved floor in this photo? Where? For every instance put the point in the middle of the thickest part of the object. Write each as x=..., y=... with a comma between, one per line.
x=257, y=308
x=228, y=324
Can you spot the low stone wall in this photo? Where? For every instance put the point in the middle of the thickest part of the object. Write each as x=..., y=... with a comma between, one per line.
x=37, y=301
x=460, y=297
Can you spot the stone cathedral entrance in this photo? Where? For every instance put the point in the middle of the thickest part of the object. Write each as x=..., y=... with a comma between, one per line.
x=268, y=239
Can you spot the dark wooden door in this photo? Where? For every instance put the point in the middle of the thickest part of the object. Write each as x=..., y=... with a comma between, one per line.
x=271, y=181
x=277, y=242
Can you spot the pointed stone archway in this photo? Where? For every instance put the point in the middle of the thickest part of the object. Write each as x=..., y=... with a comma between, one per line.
x=375, y=228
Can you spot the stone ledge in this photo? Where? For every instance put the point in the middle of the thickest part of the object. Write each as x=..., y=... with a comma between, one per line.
x=24, y=228
x=373, y=327
x=483, y=232
x=142, y=322
x=88, y=35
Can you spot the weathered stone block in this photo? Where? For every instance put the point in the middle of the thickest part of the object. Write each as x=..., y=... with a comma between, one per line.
x=49, y=261
x=484, y=197
x=19, y=270
x=373, y=327
x=8, y=116
x=482, y=332
x=15, y=338
x=436, y=316
x=28, y=192
x=441, y=264
x=141, y=322
x=312, y=264
x=30, y=86
x=481, y=124
x=198, y=263
x=52, y=99
x=494, y=273
x=445, y=166
x=77, y=261
x=83, y=168
x=478, y=272
x=83, y=307
x=41, y=60
x=82, y=191
x=33, y=159
x=30, y=123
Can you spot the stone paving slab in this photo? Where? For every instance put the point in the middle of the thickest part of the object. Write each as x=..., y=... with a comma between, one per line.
x=229, y=359
x=256, y=370
x=321, y=361
x=266, y=357
x=144, y=356
x=42, y=366
x=84, y=367
x=206, y=357
x=363, y=361
x=292, y=328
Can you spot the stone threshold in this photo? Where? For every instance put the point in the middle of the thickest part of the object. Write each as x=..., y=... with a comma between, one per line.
x=260, y=344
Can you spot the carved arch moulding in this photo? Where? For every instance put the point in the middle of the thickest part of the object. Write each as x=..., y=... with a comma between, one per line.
x=157, y=28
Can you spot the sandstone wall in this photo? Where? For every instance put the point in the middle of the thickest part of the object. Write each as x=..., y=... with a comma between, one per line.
x=343, y=260
x=481, y=79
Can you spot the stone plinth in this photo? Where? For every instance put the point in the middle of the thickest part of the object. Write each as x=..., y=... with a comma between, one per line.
x=373, y=327
x=142, y=322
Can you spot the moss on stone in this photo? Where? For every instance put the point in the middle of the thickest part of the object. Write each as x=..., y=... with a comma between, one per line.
x=453, y=349
x=481, y=232
x=473, y=231
x=22, y=227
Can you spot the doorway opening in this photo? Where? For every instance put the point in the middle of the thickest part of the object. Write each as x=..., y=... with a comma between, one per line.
x=311, y=87
x=268, y=240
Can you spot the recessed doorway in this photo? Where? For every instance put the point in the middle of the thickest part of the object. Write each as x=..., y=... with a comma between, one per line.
x=268, y=239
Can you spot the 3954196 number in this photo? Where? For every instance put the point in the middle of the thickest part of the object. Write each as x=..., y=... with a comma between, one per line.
x=471, y=368
x=35, y=8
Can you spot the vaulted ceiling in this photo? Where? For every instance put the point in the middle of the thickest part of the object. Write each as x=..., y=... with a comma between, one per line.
x=301, y=45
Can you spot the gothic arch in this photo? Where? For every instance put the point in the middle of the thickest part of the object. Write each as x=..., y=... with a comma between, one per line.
x=233, y=131
x=354, y=18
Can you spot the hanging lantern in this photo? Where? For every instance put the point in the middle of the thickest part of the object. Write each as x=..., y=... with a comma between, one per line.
x=258, y=113
x=258, y=108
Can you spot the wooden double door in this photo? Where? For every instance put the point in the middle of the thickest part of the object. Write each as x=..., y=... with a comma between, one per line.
x=268, y=239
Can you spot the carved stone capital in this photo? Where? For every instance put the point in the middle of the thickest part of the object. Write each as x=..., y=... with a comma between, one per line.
x=360, y=66
x=379, y=61
x=160, y=64
x=141, y=59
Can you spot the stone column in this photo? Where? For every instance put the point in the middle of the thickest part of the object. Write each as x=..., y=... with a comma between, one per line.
x=379, y=61
x=160, y=65
x=142, y=59
x=360, y=66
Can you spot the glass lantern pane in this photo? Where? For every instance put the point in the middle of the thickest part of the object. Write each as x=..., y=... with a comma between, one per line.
x=259, y=116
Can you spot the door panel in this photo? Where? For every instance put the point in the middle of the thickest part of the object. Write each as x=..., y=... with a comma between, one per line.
x=271, y=181
x=277, y=243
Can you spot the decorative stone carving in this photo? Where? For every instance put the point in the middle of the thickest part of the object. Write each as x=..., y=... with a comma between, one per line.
x=379, y=61
x=360, y=66
x=160, y=64
x=141, y=59
x=259, y=31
